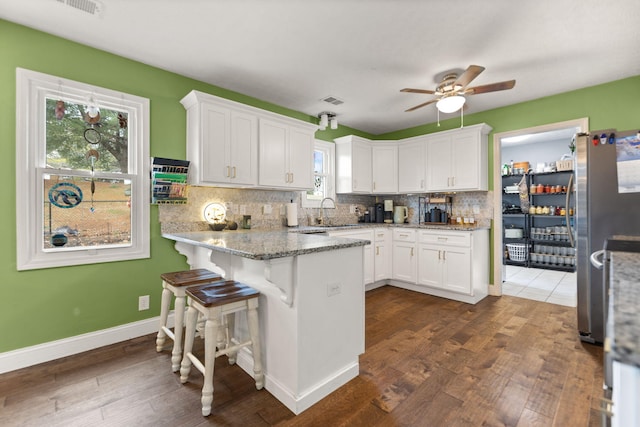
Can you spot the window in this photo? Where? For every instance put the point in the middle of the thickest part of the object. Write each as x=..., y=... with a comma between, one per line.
x=323, y=175
x=82, y=173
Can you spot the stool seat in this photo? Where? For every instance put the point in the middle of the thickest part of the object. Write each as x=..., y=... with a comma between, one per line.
x=175, y=283
x=221, y=293
x=190, y=277
x=218, y=304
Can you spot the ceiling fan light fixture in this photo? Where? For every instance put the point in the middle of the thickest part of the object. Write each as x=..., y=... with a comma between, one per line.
x=450, y=104
x=327, y=118
x=324, y=121
x=333, y=123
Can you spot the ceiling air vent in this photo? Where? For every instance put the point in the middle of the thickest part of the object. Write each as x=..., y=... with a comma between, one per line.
x=88, y=6
x=333, y=100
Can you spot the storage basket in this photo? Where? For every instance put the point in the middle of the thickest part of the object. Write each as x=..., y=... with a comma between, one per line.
x=564, y=165
x=517, y=251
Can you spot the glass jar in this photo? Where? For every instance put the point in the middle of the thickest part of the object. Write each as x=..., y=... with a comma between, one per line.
x=538, y=210
x=532, y=210
x=563, y=211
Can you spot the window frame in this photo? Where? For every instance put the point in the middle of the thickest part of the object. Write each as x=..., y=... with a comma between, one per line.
x=329, y=150
x=32, y=88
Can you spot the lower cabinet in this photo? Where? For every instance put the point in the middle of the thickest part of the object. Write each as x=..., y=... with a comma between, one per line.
x=405, y=258
x=382, y=243
x=445, y=267
x=369, y=261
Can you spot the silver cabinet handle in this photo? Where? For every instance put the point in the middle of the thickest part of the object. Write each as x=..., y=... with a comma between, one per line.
x=234, y=172
x=444, y=255
x=411, y=251
x=291, y=176
x=228, y=171
x=377, y=250
x=439, y=255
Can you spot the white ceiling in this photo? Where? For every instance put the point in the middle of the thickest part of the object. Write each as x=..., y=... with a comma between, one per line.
x=293, y=53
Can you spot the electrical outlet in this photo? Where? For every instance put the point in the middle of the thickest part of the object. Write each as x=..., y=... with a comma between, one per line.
x=266, y=209
x=352, y=209
x=143, y=302
x=333, y=289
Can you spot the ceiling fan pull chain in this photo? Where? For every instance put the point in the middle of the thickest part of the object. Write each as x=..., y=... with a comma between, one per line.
x=438, y=117
x=461, y=117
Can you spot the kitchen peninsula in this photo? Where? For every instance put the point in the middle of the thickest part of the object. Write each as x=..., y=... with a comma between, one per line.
x=311, y=304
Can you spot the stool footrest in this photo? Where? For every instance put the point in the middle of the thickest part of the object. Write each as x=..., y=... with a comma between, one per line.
x=233, y=348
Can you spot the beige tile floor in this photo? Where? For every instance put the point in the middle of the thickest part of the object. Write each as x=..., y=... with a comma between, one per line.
x=556, y=287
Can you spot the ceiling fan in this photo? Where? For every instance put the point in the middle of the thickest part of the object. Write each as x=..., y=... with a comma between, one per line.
x=450, y=92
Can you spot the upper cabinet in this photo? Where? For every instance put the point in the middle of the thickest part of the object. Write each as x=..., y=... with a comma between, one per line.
x=286, y=156
x=457, y=159
x=222, y=143
x=353, y=165
x=384, y=163
x=231, y=144
x=453, y=160
x=412, y=160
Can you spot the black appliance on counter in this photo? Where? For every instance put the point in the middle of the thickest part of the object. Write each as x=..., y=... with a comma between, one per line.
x=379, y=212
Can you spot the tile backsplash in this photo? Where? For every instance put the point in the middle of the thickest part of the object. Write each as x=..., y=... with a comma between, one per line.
x=189, y=217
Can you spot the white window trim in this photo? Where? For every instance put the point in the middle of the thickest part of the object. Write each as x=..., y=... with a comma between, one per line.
x=31, y=89
x=330, y=149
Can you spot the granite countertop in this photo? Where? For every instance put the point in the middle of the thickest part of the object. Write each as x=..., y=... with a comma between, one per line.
x=264, y=245
x=310, y=229
x=625, y=307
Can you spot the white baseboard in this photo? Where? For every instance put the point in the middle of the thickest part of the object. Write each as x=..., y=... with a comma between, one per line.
x=300, y=403
x=29, y=356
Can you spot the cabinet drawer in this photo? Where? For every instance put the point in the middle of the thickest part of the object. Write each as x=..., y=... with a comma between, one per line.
x=404, y=235
x=460, y=238
x=380, y=234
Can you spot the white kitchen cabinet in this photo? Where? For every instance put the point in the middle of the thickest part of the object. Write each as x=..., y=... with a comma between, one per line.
x=457, y=160
x=454, y=262
x=384, y=167
x=222, y=142
x=286, y=156
x=404, y=258
x=382, y=242
x=369, y=255
x=353, y=165
x=626, y=389
x=412, y=160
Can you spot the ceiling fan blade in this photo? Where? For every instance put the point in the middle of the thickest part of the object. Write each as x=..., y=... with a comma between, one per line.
x=421, y=105
x=427, y=91
x=469, y=74
x=493, y=87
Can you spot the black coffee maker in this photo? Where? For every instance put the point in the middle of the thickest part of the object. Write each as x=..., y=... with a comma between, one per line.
x=379, y=212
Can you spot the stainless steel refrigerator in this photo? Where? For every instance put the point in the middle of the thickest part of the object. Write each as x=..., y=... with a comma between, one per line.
x=607, y=204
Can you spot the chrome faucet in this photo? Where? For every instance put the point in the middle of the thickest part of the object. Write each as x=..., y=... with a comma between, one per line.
x=321, y=219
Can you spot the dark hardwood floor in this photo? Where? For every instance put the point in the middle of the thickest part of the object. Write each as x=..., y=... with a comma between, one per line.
x=428, y=362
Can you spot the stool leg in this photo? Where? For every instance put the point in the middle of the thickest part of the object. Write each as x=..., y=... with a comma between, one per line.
x=231, y=329
x=185, y=368
x=176, y=354
x=210, y=341
x=254, y=332
x=164, y=314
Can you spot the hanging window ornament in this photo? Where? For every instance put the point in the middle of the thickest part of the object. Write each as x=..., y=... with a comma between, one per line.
x=59, y=111
x=65, y=195
x=92, y=156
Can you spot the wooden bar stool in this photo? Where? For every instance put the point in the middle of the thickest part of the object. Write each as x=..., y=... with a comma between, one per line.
x=176, y=283
x=214, y=303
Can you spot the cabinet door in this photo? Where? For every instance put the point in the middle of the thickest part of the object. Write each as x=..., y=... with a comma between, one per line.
x=300, y=159
x=368, y=250
x=215, y=157
x=411, y=166
x=243, y=149
x=430, y=265
x=273, y=154
x=404, y=261
x=439, y=163
x=361, y=163
x=465, y=157
x=456, y=275
x=384, y=169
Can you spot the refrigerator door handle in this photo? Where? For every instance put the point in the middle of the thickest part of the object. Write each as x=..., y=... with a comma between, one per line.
x=594, y=259
x=567, y=216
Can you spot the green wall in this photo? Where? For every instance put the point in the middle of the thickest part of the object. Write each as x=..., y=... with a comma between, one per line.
x=46, y=305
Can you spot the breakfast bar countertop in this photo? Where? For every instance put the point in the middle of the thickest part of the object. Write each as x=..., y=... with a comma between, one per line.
x=625, y=300
x=263, y=245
